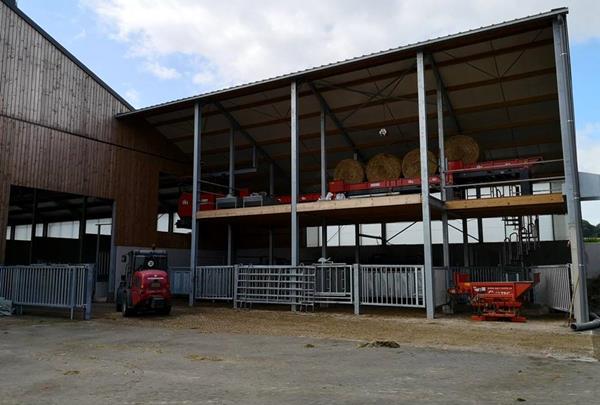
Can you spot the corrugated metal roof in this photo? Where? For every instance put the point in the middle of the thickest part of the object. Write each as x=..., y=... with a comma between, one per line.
x=323, y=68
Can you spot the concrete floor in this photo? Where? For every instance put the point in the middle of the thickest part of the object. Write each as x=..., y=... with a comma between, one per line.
x=57, y=361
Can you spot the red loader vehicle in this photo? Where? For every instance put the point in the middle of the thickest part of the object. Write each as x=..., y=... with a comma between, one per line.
x=145, y=284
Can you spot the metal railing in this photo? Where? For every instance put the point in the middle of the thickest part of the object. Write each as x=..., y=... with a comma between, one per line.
x=554, y=288
x=68, y=287
x=291, y=285
x=215, y=282
x=333, y=283
x=493, y=273
x=392, y=285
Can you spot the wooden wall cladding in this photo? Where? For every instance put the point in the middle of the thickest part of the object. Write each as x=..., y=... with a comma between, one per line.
x=58, y=132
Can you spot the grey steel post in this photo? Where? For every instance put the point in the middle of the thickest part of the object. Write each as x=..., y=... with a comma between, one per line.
x=271, y=246
x=295, y=172
x=89, y=288
x=232, y=161
x=465, y=235
x=34, y=219
x=229, y=245
x=356, y=243
x=295, y=175
x=82, y=223
x=113, y=254
x=271, y=179
x=235, y=284
x=324, y=238
x=443, y=169
x=323, y=157
x=356, y=288
x=323, y=181
x=479, y=220
x=427, y=256
x=567, y=129
x=195, y=200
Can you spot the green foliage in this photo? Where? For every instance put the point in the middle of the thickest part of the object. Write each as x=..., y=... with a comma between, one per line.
x=590, y=231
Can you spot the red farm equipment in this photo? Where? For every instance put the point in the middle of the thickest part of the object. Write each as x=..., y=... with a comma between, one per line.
x=493, y=300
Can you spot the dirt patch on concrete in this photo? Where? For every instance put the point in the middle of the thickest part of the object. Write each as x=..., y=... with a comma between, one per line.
x=542, y=336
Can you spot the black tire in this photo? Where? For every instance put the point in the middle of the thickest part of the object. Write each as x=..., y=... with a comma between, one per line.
x=125, y=310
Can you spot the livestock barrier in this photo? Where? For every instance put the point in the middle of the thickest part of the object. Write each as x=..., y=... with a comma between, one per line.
x=290, y=285
x=554, y=288
x=50, y=286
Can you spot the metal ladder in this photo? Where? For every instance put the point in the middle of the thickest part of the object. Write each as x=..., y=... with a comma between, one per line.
x=521, y=238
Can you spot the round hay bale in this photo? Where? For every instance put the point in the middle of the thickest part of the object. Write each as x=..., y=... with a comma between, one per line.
x=462, y=147
x=350, y=171
x=384, y=166
x=411, y=164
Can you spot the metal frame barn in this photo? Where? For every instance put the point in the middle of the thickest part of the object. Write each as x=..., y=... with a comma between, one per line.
x=508, y=86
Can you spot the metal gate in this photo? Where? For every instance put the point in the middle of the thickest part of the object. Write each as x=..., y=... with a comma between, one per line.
x=215, y=282
x=392, y=285
x=68, y=287
x=554, y=288
x=291, y=285
x=333, y=283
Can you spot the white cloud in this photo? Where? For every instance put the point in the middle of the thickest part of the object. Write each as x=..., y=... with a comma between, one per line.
x=588, y=147
x=133, y=96
x=250, y=40
x=160, y=71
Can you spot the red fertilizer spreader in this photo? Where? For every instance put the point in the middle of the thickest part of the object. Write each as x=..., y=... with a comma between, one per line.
x=493, y=300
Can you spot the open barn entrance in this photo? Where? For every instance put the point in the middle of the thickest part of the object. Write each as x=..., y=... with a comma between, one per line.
x=47, y=227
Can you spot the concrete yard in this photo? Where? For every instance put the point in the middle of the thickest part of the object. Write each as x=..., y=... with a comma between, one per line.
x=205, y=355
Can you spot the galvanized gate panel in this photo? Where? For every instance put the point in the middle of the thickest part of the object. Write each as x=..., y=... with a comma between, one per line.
x=291, y=285
x=69, y=287
x=215, y=282
x=554, y=288
x=333, y=283
x=392, y=285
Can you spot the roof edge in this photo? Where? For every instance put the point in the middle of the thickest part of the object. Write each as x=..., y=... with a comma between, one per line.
x=294, y=75
x=12, y=6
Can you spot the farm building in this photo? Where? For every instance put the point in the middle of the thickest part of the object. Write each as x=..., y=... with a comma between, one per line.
x=306, y=189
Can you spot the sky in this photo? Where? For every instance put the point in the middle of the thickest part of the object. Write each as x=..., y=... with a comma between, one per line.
x=154, y=51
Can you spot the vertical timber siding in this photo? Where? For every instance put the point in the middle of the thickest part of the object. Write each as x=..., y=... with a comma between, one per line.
x=58, y=132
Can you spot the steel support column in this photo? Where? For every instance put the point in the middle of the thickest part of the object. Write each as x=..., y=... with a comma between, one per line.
x=34, y=220
x=232, y=161
x=443, y=169
x=295, y=173
x=465, y=234
x=229, y=245
x=323, y=156
x=82, y=224
x=427, y=247
x=195, y=199
x=567, y=129
x=271, y=179
x=356, y=243
x=271, y=256
x=323, y=180
x=113, y=253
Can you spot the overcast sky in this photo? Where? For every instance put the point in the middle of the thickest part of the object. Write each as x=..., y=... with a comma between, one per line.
x=153, y=51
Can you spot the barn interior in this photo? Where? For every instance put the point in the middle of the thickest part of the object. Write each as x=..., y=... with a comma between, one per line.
x=498, y=87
